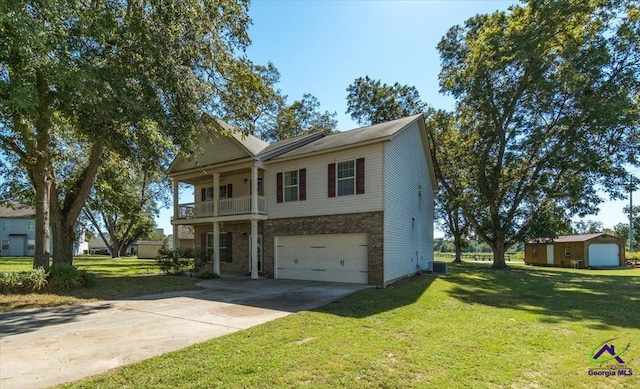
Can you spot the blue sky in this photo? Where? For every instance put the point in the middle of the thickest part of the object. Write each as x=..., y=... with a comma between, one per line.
x=320, y=47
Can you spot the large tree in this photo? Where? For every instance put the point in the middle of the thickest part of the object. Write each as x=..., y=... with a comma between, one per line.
x=546, y=110
x=299, y=118
x=130, y=77
x=370, y=101
x=124, y=200
x=446, y=152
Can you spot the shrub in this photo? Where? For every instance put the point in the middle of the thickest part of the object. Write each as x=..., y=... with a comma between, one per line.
x=207, y=275
x=181, y=260
x=68, y=276
x=23, y=282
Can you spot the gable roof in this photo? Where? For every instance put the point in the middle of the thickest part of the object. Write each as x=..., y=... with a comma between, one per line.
x=238, y=146
x=381, y=131
x=571, y=238
x=577, y=238
x=16, y=210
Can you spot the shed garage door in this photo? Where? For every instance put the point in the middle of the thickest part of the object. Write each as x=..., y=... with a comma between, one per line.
x=327, y=257
x=604, y=254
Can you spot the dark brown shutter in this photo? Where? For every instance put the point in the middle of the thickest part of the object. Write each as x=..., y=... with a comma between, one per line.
x=203, y=241
x=229, y=245
x=332, y=180
x=230, y=190
x=279, y=187
x=302, y=177
x=203, y=193
x=360, y=176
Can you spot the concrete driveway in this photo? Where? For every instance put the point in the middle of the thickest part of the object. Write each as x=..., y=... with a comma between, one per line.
x=45, y=347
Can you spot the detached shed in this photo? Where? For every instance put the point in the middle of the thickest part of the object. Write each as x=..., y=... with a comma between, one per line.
x=148, y=249
x=579, y=251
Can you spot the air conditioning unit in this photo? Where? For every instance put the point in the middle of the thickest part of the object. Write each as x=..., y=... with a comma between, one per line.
x=440, y=267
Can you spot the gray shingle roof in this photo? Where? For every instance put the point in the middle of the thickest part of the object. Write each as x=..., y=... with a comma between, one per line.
x=352, y=137
x=15, y=210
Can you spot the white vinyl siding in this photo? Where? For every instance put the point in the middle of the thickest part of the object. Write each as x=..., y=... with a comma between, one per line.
x=217, y=150
x=408, y=205
x=317, y=201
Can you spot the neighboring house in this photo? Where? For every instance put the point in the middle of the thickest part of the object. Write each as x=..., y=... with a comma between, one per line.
x=580, y=251
x=17, y=230
x=354, y=206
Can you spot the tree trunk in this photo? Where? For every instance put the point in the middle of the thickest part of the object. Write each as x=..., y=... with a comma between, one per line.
x=43, y=190
x=457, y=241
x=65, y=212
x=64, y=236
x=499, y=249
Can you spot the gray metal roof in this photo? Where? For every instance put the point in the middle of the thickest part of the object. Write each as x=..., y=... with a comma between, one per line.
x=15, y=210
x=352, y=137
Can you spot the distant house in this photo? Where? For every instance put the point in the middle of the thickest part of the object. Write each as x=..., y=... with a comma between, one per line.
x=354, y=206
x=18, y=232
x=579, y=251
x=186, y=236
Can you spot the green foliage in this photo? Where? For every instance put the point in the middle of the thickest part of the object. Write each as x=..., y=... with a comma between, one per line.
x=181, y=261
x=370, y=101
x=23, y=281
x=547, y=112
x=98, y=78
x=300, y=118
x=67, y=276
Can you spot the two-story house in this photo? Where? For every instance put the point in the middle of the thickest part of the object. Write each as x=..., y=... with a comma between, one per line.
x=353, y=206
x=17, y=230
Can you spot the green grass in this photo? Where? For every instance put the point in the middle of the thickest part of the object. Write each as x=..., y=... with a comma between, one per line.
x=476, y=327
x=116, y=278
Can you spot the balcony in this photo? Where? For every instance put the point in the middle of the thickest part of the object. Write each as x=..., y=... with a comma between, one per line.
x=226, y=207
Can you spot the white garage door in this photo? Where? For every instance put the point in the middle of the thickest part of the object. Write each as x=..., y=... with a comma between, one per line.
x=327, y=257
x=604, y=254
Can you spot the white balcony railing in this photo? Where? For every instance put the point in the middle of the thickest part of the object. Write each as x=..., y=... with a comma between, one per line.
x=226, y=207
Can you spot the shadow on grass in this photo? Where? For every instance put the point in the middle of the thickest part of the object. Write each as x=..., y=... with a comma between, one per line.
x=19, y=322
x=371, y=302
x=603, y=301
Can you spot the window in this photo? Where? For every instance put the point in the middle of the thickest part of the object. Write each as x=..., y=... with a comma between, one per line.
x=291, y=185
x=31, y=245
x=222, y=192
x=567, y=251
x=5, y=245
x=535, y=251
x=225, y=247
x=346, y=178
x=31, y=225
x=4, y=225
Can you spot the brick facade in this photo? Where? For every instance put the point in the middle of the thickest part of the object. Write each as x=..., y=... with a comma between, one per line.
x=240, y=232
x=371, y=223
x=367, y=222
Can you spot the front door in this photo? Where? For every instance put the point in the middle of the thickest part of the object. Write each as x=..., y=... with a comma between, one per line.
x=259, y=253
x=549, y=254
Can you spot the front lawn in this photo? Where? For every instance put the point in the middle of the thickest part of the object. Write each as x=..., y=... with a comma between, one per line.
x=476, y=327
x=116, y=278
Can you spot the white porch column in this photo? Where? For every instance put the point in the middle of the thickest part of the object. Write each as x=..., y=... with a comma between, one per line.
x=216, y=192
x=216, y=247
x=176, y=240
x=254, y=189
x=254, y=249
